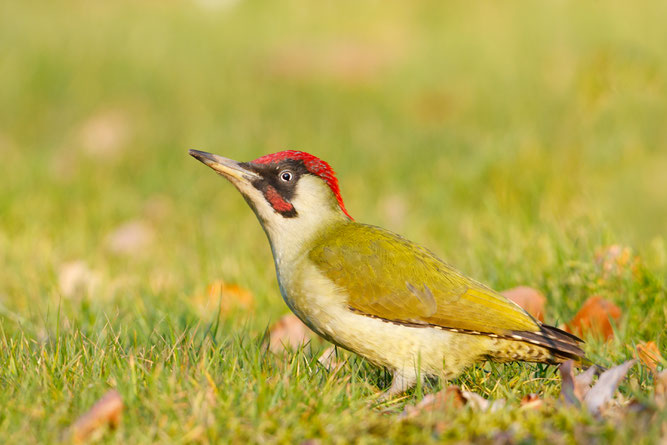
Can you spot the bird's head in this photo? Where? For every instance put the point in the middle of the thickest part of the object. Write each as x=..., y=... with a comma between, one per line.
x=293, y=193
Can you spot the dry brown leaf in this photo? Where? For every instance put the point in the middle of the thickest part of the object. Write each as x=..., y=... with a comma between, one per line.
x=130, y=238
x=583, y=381
x=567, y=384
x=288, y=333
x=577, y=390
x=479, y=403
x=106, y=411
x=603, y=391
x=649, y=355
x=595, y=317
x=449, y=398
x=452, y=397
x=531, y=401
x=574, y=388
x=224, y=298
x=531, y=300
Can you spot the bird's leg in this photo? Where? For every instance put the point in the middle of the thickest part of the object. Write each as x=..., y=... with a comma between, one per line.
x=400, y=383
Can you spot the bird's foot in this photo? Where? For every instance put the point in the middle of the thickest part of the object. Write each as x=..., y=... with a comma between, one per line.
x=400, y=383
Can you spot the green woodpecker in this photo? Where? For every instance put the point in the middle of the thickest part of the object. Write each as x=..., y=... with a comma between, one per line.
x=373, y=292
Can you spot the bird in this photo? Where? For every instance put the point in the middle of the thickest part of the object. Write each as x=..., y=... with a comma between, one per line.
x=373, y=292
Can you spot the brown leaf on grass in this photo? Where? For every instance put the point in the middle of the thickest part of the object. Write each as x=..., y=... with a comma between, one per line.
x=452, y=397
x=603, y=391
x=130, y=238
x=531, y=401
x=479, y=403
x=288, y=333
x=531, y=300
x=577, y=390
x=649, y=355
x=449, y=398
x=574, y=387
x=224, y=298
x=106, y=411
x=568, y=391
x=595, y=317
x=583, y=381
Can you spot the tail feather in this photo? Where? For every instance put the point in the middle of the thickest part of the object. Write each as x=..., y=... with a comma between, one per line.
x=562, y=345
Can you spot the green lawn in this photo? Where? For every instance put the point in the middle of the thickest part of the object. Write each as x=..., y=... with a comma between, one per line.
x=513, y=139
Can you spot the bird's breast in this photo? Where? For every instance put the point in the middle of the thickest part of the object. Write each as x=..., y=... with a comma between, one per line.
x=312, y=297
x=323, y=307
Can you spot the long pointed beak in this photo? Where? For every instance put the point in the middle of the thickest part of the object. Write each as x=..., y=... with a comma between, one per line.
x=228, y=168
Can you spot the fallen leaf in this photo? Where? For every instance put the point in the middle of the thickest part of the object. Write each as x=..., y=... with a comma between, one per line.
x=531, y=300
x=224, y=298
x=288, y=333
x=106, y=411
x=583, y=381
x=76, y=279
x=603, y=391
x=449, y=398
x=567, y=384
x=130, y=238
x=480, y=403
x=531, y=401
x=574, y=388
x=452, y=397
x=649, y=355
x=595, y=317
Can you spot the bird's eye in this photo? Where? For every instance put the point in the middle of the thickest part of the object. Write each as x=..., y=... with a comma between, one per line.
x=286, y=175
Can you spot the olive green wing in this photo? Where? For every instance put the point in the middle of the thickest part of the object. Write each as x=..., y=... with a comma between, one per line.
x=389, y=277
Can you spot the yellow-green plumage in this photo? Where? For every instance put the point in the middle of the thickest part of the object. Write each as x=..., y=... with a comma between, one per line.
x=390, y=278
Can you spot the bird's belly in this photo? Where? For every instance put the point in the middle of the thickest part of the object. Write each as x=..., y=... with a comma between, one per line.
x=323, y=307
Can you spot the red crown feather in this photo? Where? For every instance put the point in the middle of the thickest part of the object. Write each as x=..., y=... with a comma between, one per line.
x=313, y=164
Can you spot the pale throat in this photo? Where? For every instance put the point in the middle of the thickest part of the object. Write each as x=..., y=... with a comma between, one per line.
x=292, y=238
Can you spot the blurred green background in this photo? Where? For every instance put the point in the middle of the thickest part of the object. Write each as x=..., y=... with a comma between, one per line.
x=470, y=128
x=514, y=139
